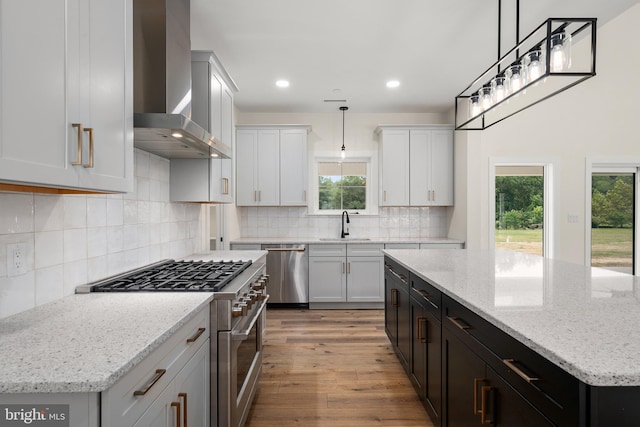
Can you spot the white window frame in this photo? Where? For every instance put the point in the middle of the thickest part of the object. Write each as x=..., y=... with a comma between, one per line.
x=549, y=205
x=371, y=193
x=611, y=165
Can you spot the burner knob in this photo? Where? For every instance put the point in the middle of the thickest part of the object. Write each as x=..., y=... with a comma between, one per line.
x=258, y=286
x=248, y=301
x=239, y=310
x=265, y=277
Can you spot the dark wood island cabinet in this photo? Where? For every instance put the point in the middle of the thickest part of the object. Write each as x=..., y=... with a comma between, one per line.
x=470, y=368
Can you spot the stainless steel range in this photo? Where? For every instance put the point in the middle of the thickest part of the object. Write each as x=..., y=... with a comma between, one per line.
x=238, y=313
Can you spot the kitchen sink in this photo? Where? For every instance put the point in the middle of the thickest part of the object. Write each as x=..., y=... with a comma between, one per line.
x=346, y=239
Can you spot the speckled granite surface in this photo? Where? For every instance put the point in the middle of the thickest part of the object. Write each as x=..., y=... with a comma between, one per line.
x=314, y=240
x=585, y=320
x=84, y=343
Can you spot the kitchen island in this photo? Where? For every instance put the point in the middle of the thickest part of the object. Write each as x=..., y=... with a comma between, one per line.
x=573, y=330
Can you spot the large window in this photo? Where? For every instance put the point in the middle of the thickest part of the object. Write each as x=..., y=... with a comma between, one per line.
x=342, y=186
x=612, y=219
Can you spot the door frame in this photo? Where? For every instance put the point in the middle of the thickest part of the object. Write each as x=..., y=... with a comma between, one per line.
x=548, y=166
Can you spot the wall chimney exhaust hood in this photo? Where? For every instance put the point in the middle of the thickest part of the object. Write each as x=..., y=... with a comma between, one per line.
x=162, y=84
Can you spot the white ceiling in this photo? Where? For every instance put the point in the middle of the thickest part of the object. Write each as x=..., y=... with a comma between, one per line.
x=348, y=49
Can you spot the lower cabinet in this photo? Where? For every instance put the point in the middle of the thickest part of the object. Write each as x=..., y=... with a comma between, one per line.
x=342, y=276
x=186, y=399
x=397, y=311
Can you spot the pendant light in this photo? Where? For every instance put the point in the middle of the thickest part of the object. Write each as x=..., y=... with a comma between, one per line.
x=536, y=68
x=342, y=151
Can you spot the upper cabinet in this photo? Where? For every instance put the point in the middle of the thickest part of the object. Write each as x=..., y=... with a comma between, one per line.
x=271, y=165
x=416, y=166
x=67, y=120
x=207, y=180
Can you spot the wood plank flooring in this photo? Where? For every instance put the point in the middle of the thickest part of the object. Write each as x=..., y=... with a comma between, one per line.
x=332, y=368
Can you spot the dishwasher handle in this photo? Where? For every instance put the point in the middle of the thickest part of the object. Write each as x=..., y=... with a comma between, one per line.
x=285, y=249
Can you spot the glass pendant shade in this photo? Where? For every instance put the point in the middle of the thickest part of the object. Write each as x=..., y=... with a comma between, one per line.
x=534, y=61
x=560, y=52
x=498, y=89
x=515, y=78
x=474, y=105
x=485, y=97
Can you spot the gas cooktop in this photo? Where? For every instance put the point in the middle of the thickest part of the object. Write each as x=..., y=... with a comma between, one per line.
x=175, y=276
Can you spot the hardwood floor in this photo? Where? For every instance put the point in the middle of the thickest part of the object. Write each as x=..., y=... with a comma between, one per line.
x=332, y=368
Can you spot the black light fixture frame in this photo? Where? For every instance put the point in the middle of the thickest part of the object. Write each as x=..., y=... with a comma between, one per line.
x=582, y=30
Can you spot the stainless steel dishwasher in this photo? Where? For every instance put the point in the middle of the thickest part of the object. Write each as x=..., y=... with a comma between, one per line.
x=288, y=270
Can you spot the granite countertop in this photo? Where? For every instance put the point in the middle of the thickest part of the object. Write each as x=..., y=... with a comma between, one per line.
x=583, y=319
x=354, y=239
x=85, y=343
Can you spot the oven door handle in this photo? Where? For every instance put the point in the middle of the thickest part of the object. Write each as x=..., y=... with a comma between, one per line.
x=244, y=334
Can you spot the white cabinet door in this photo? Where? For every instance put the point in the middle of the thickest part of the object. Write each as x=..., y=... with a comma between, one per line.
x=39, y=72
x=293, y=167
x=365, y=279
x=106, y=88
x=268, y=166
x=73, y=64
x=161, y=413
x=394, y=162
x=442, y=167
x=327, y=279
x=191, y=389
x=246, y=172
x=420, y=167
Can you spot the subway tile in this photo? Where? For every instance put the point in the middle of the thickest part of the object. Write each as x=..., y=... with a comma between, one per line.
x=49, y=212
x=75, y=274
x=16, y=213
x=75, y=211
x=49, y=284
x=49, y=249
x=96, y=212
x=17, y=294
x=75, y=244
x=130, y=215
x=115, y=212
x=96, y=241
x=115, y=239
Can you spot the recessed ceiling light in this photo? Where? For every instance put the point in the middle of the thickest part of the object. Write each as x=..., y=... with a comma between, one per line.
x=214, y=155
x=282, y=83
x=176, y=134
x=393, y=83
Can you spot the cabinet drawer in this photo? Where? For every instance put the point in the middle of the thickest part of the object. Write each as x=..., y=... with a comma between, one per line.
x=328, y=250
x=120, y=406
x=554, y=391
x=364, y=249
x=429, y=297
x=397, y=272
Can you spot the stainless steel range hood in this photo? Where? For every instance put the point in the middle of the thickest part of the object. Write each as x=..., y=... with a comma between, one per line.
x=162, y=84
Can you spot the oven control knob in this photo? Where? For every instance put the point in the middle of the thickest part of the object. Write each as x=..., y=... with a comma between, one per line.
x=265, y=277
x=239, y=309
x=258, y=286
x=248, y=301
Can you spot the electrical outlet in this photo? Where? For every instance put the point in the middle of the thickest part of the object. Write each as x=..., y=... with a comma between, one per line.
x=16, y=262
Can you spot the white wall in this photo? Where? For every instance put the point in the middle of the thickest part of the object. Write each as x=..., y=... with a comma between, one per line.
x=597, y=118
x=74, y=239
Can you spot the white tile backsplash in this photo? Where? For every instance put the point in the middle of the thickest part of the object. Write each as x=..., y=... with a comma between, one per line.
x=75, y=239
x=293, y=222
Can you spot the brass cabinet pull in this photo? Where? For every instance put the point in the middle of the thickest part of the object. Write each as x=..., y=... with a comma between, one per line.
x=342, y=267
x=476, y=381
x=225, y=186
x=394, y=298
x=197, y=335
x=422, y=323
x=78, y=126
x=511, y=365
x=433, y=197
x=485, y=418
x=427, y=296
x=255, y=196
x=403, y=277
x=304, y=195
x=459, y=323
x=156, y=377
x=384, y=199
x=177, y=406
x=90, y=164
x=349, y=267
x=184, y=411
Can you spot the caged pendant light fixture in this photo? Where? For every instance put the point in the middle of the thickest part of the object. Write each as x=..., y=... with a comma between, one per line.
x=557, y=55
x=342, y=150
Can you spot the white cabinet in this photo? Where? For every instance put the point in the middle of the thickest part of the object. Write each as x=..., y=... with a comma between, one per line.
x=343, y=276
x=416, y=165
x=394, y=172
x=172, y=378
x=83, y=75
x=207, y=180
x=271, y=165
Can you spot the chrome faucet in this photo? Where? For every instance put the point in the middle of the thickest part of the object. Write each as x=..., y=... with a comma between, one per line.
x=344, y=234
